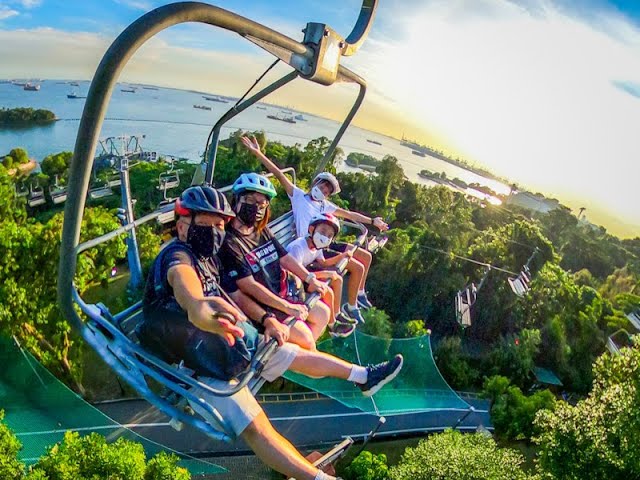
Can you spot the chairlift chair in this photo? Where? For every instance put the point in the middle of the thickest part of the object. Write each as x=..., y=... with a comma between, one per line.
x=465, y=299
x=168, y=180
x=316, y=59
x=634, y=318
x=520, y=284
x=21, y=190
x=114, y=180
x=57, y=192
x=100, y=192
x=36, y=195
x=618, y=340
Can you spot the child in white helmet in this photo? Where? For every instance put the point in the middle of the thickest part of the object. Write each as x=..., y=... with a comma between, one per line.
x=306, y=205
x=309, y=251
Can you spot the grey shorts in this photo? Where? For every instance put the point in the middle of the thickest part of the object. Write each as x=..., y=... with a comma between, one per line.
x=240, y=409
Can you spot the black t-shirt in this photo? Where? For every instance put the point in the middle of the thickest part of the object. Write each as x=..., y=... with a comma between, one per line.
x=256, y=254
x=159, y=294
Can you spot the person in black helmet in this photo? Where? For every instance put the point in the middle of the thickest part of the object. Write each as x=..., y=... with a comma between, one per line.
x=187, y=320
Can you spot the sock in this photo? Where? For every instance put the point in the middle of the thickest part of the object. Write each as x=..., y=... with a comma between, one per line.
x=361, y=292
x=324, y=476
x=353, y=307
x=358, y=374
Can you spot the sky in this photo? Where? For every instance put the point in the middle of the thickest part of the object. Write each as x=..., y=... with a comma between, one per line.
x=543, y=92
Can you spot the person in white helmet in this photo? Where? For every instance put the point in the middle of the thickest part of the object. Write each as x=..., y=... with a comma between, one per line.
x=309, y=251
x=306, y=205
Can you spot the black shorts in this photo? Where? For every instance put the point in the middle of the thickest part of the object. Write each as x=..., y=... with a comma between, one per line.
x=335, y=249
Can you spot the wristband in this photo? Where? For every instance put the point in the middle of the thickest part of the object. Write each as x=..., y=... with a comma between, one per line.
x=265, y=316
x=310, y=277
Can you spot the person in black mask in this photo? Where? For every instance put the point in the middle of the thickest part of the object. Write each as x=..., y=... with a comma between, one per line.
x=256, y=263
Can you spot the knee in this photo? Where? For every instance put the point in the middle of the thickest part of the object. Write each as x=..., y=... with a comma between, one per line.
x=357, y=267
x=320, y=314
x=328, y=297
x=364, y=256
x=259, y=428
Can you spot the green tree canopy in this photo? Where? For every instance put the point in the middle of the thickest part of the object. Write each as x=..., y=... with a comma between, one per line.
x=599, y=437
x=455, y=456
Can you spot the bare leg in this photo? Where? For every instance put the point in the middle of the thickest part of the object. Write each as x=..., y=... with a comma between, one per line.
x=318, y=319
x=276, y=451
x=336, y=287
x=364, y=257
x=356, y=277
x=319, y=364
x=301, y=334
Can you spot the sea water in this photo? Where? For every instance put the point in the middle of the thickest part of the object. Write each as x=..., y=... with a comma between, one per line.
x=172, y=126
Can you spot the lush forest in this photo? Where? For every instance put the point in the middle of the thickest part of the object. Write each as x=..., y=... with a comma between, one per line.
x=584, y=281
x=25, y=116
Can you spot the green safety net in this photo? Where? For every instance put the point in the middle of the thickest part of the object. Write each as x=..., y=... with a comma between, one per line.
x=418, y=387
x=40, y=409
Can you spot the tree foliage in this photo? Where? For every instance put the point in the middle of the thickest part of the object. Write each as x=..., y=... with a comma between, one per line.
x=599, y=437
x=455, y=364
x=455, y=456
x=21, y=116
x=512, y=412
x=367, y=466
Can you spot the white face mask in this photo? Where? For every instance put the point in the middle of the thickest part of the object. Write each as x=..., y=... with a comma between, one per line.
x=320, y=241
x=317, y=194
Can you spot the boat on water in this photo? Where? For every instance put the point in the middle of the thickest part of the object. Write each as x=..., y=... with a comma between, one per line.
x=128, y=90
x=300, y=118
x=74, y=95
x=282, y=119
x=420, y=154
x=74, y=84
x=215, y=99
x=375, y=142
x=202, y=107
x=261, y=108
x=31, y=87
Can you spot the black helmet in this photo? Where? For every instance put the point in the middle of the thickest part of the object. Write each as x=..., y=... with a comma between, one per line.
x=203, y=199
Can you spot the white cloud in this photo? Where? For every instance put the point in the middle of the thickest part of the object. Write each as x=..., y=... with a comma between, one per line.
x=30, y=3
x=531, y=96
x=143, y=5
x=6, y=12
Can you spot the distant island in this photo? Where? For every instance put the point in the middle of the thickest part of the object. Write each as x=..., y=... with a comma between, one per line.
x=362, y=161
x=422, y=150
x=24, y=117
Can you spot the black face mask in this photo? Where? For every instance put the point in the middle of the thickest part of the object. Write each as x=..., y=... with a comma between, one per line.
x=250, y=214
x=205, y=241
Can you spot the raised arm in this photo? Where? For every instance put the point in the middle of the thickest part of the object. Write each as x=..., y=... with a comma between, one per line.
x=188, y=292
x=254, y=147
x=358, y=217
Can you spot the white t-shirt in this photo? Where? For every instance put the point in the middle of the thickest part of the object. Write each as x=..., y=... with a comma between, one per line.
x=299, y=249
x=305, y=208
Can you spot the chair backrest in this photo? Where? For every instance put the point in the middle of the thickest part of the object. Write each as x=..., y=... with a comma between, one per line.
x=284, y=229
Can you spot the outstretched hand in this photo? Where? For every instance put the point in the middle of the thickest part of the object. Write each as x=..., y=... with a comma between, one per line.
x=252, y=144
x=226, y=328
x=381, y=224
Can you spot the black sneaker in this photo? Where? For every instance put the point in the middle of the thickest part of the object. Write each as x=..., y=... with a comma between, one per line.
x=342, y=318
x=341, y=330
x=381, y=374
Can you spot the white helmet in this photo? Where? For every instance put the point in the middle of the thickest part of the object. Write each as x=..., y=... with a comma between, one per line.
x=328, y=177
x=326, y=218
